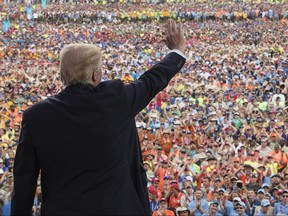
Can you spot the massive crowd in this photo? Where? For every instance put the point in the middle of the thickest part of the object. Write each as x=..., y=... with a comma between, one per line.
x=214, y=142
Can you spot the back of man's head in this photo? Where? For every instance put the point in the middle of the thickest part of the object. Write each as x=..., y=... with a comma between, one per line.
x=78, y=62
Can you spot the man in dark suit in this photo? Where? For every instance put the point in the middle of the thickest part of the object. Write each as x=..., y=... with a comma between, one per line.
x=84, y=139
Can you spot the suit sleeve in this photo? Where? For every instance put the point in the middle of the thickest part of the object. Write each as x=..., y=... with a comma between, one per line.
x=142, y=91
x=26, y=171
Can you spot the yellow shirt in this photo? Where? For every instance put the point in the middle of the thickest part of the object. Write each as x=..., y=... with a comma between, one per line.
x=273, y=167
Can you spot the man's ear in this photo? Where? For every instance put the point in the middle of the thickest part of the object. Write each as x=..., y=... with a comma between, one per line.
x=94, y=75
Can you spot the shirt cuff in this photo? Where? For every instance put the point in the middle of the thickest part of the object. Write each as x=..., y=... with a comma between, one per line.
x=178, y=52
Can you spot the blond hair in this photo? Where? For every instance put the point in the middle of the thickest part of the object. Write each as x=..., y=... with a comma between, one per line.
x=78, y=62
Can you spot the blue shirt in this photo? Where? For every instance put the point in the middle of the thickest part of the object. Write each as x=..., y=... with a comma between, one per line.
x=217, y=214
x=204, y=205
x=6, y=210
x=229, y=208
x=154, y=206
x=280, y=208
x=260, y=213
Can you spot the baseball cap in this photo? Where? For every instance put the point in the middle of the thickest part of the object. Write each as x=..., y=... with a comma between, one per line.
x=152, y=190
x=237, y=199
x=265, y=202
x=275, y=175
x=182, y=209
x=241, y=204
x=189, y=178
x=217, y=179
x=166, y=177
x=267, y=194
x=265, y=185
x=155, y=180
x=214, y=202
x=254, y=175
x=175, y=186
x=163, y=200
x=261, y=191
x=221, y=190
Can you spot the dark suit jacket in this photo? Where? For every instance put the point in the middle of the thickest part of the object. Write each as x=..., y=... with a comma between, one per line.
x=85, y=142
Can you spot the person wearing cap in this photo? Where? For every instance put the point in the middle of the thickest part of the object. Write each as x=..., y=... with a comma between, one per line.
x=192, y=166
x=263, y=148
x=225, y=205
x=151, y=135
x=241, y=154
x=211, y=163
x=282, y=207
x=236, y=163
x=200, y=156
x=2, y=165
x=198, y=206
x=149, y=172
x=189, y=194
x=265, y=209
x=187, y=179
x=175, y=150
x=252, y=200
x=226, y=181
x=217, y=184
x=265, y=187
x=162, y=169
x=166, y=142
x=279, y=156
x=271, y=165
x=213, y=209
x=182, y=211
x=155, y=182
x=176, y=198
x=206, y=186
x=253, y=183
x=162, y=210
x=153, y=201
x=260, y=195
x=240, y=208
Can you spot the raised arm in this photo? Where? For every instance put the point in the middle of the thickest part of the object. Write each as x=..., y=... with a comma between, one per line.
x=141, y=91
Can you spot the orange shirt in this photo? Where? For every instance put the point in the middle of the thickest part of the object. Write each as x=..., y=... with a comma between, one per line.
x=166, y=144
x=167, y=213
x=161, y=173
x=279, y=158
x=175, y=201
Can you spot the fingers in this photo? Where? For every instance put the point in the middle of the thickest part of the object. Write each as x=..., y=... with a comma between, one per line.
x=171, y=27
x=174, y=37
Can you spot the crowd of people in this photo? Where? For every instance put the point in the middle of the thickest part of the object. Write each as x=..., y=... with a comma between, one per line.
x=214, y=142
